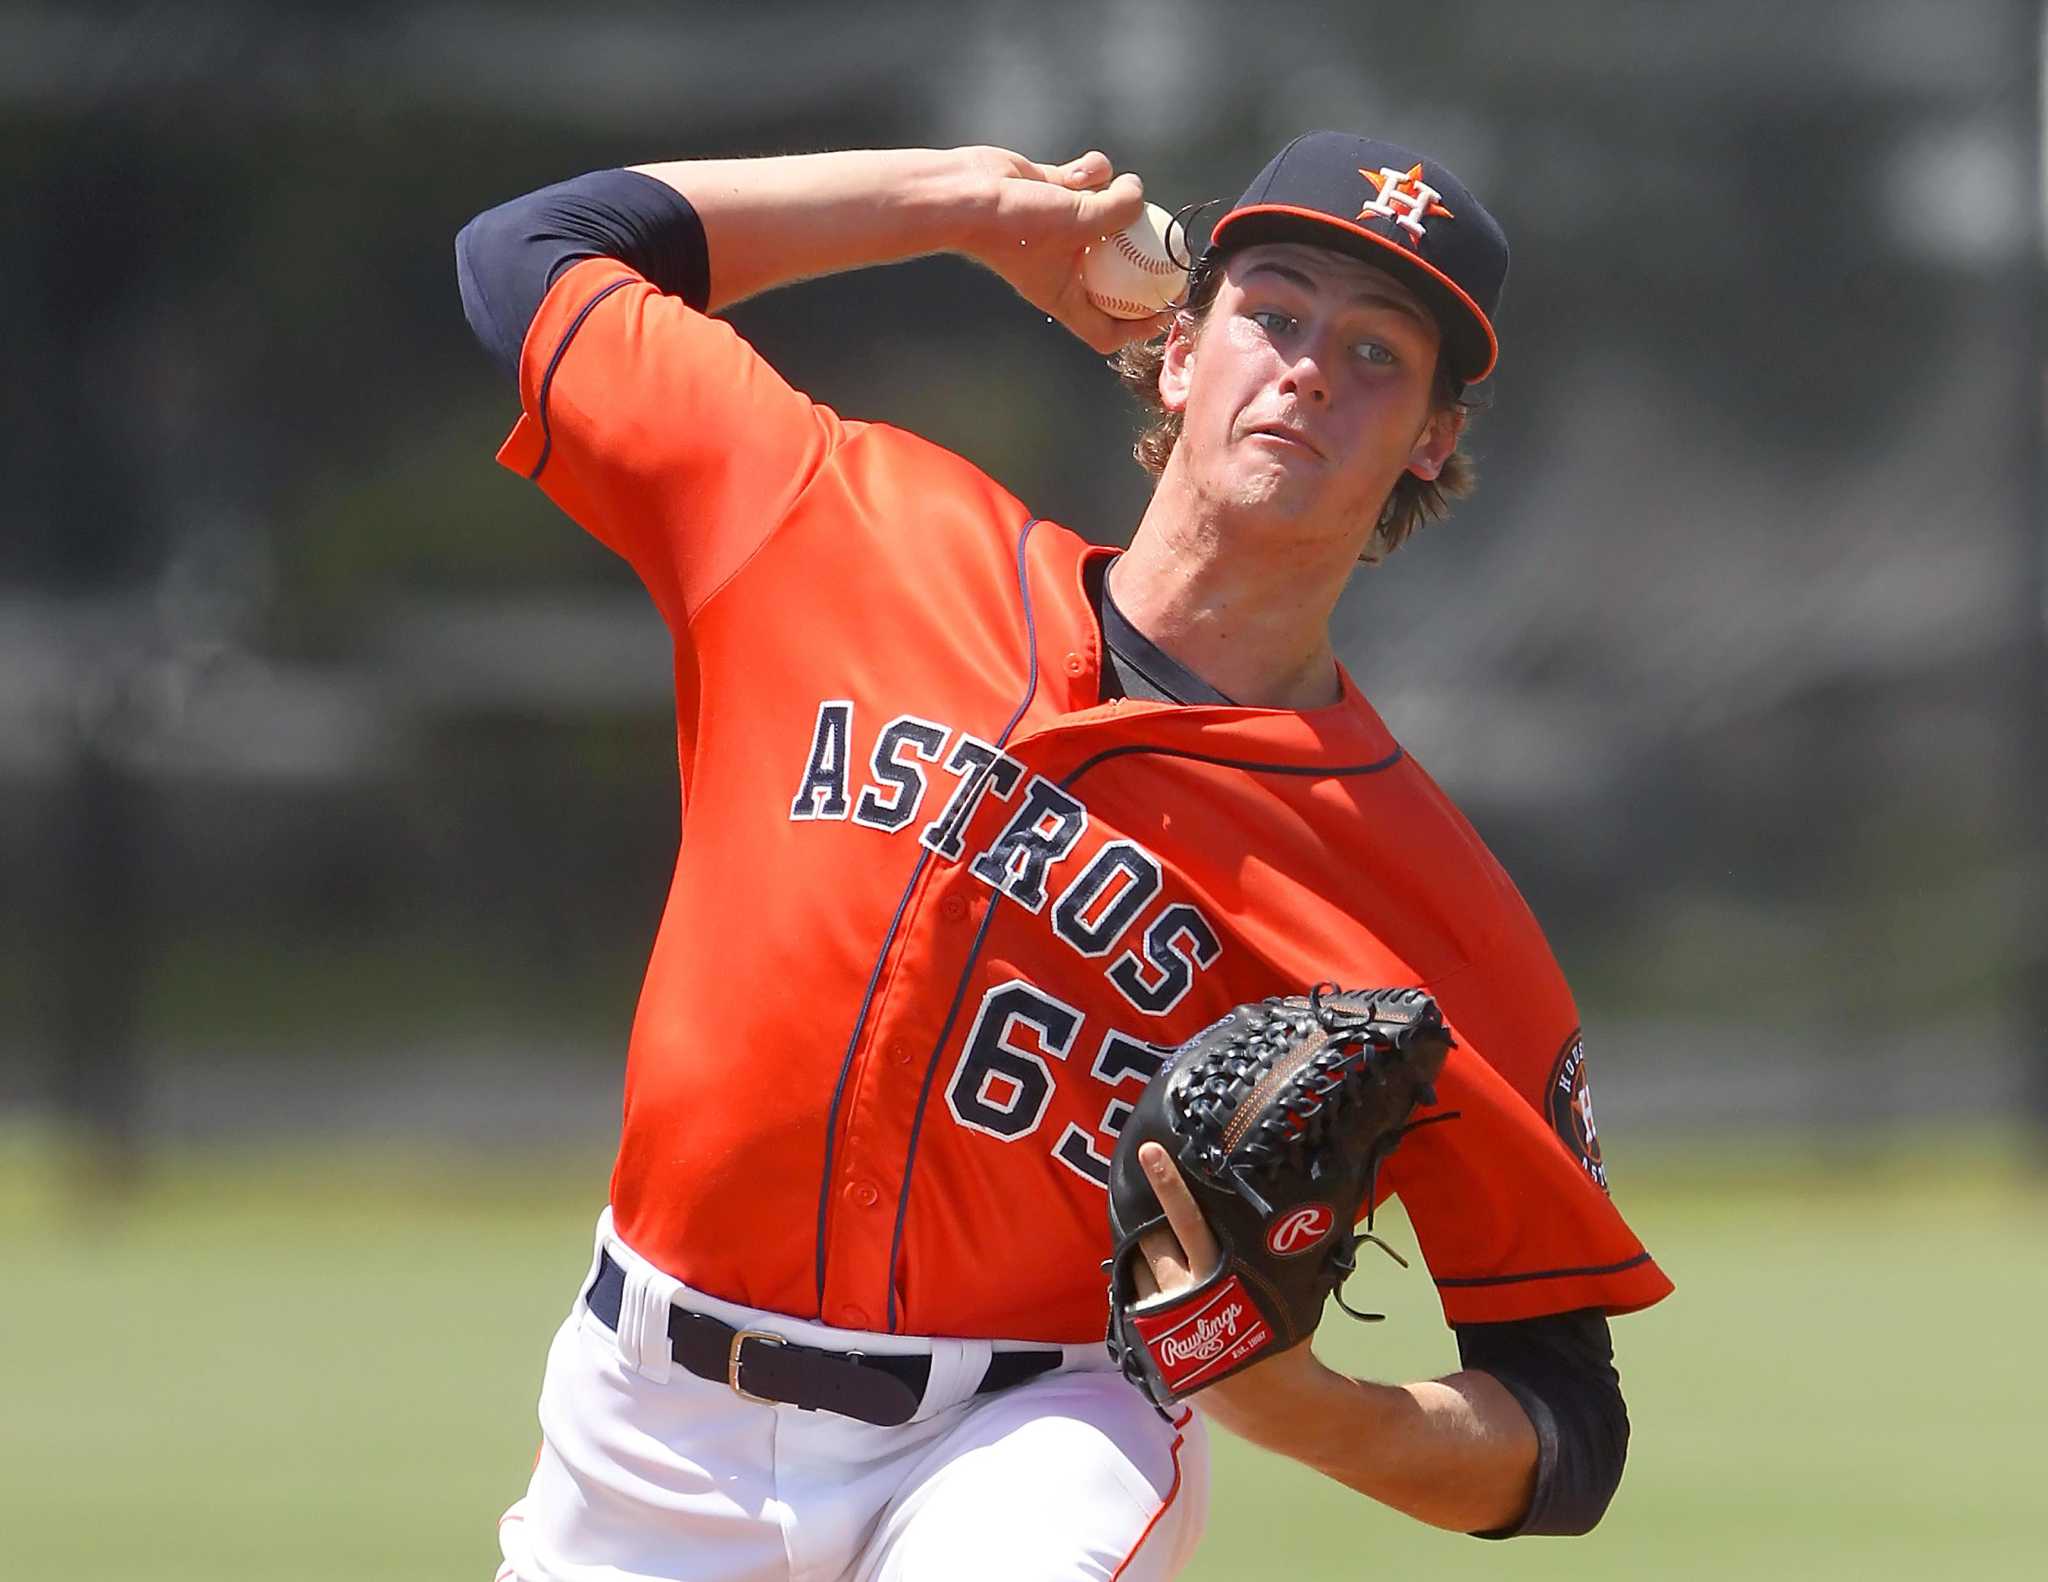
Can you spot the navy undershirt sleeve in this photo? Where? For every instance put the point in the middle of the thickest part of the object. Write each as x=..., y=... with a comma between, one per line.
x=507, y=257
x=1561, y=1370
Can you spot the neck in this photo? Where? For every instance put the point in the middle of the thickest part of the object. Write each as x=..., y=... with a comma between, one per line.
x=1246, y=610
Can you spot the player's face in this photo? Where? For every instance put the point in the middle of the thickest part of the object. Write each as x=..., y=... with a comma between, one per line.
x=1307, y=390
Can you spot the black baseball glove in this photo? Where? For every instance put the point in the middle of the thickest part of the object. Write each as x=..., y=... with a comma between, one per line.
x=1279, y=1117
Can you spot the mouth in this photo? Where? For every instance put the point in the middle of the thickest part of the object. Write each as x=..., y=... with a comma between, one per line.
x=1281, y=434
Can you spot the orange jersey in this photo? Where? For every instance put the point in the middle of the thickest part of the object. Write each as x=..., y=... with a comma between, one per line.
x=939, y=909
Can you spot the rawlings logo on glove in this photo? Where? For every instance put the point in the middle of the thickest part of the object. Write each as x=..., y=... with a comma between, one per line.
x=1190, y=1345
x=1300, y=1231
x=1279, y=1117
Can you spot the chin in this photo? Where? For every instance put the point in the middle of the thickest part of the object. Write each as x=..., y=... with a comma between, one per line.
x=1273, y=493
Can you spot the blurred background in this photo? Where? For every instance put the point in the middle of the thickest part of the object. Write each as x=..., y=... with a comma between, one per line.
x=337, y=792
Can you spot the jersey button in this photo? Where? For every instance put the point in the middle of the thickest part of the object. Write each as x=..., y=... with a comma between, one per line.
x=900, y=1053
x=1076, y=664
x=863, y=1194
x=954, y=907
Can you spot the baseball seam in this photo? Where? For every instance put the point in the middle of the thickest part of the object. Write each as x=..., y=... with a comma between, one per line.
x=1151, y=266
x=1121, y=307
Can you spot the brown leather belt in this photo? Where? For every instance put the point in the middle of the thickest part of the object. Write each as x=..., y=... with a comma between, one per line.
x=882, y=1389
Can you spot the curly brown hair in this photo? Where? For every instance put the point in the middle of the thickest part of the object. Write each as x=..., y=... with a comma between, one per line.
x=1413, y=500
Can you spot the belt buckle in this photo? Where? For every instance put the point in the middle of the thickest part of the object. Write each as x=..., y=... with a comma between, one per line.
x=732, y=1363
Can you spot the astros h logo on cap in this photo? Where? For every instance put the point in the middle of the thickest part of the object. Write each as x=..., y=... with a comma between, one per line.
x=1397, y=210
x=1404, y=197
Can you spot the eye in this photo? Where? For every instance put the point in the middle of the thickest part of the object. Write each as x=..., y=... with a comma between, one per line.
x=1272, y=320
x=1379, y=355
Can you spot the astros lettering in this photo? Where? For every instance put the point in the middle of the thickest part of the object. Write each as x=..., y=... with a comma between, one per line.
x=1100, y=901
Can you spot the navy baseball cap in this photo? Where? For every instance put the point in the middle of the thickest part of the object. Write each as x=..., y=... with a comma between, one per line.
x=1396, y=210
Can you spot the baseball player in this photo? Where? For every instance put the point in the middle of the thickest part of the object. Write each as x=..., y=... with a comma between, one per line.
x=978, y=822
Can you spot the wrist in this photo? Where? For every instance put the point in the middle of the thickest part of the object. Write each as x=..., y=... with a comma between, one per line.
x=962, y=190
x=1298, y=1407
x=1280, y=1394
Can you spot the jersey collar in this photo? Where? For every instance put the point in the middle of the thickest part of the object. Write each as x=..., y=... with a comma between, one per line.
x=1344, y=734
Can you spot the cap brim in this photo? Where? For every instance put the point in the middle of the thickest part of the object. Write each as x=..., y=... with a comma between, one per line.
x=1468, y=333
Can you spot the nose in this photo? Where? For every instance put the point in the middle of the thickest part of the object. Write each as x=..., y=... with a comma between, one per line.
x=1306, y=378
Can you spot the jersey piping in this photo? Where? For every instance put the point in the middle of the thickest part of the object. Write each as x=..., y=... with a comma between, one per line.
x=547, y=380
x=888, y=941
x=924, y=1094
x=1250, y=765
x=1469, y=1281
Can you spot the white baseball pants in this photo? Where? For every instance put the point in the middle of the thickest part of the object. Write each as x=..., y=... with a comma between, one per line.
x=650, y=1474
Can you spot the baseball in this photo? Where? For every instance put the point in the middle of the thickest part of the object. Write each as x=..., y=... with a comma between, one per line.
x=1133, y=275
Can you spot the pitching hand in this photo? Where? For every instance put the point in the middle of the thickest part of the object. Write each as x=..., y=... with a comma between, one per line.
x=1038, y=221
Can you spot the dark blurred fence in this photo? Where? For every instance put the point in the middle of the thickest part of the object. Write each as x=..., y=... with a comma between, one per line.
x=335, y=775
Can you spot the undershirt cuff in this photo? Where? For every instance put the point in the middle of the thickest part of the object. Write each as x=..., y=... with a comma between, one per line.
x=1560, y=1370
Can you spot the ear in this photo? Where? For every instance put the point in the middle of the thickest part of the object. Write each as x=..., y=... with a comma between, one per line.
x=1176, y=371
x=1437, y=442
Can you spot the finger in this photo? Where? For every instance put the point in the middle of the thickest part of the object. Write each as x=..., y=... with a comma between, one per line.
x=1106, y=211
x=1189, y=1228
x=1164, y=1261
x=1091, y=170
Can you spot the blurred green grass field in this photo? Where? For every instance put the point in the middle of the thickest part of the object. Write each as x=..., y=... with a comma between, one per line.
x=323, y=1366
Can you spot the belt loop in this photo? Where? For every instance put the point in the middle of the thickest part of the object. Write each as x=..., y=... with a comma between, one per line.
x=958, y=1367
x=598, y=1249
x=644, y=1308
